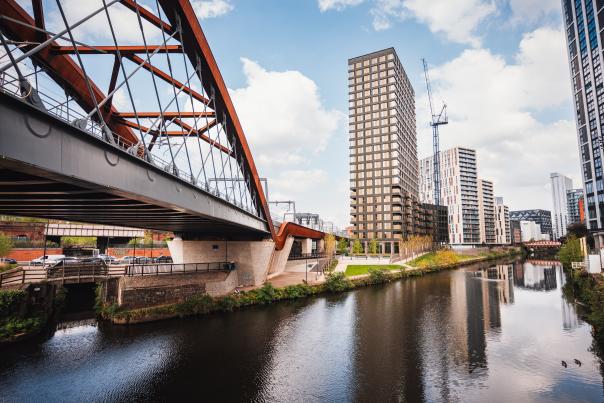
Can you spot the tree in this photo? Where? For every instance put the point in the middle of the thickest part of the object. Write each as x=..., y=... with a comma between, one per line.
x=342, y=245
x=373, y=246
x=5, y=244
x=570, y=251
x=357, y=248
x=578, y=229
x=330, y=245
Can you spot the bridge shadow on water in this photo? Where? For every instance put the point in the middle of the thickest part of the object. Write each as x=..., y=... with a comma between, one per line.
x=79, y=302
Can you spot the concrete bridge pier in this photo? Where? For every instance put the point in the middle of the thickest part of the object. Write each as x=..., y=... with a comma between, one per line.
x=306, y=246
x=254, y=260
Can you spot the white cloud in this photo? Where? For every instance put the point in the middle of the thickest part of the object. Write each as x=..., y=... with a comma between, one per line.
x=282, y=114
x=211, y=8
x=527, y=11
x=456, y=20
x=325, y=5
x=288, y=128
x=497, y=107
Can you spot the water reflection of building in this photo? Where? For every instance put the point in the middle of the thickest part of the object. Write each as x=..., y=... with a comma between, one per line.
x=505, y=287
x=534, y=277
x=570, y=319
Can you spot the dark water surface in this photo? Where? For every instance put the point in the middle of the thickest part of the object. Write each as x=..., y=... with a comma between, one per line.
x=496, y=333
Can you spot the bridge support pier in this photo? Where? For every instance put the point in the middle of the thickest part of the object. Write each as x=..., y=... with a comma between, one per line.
x=306, y=246
x=252, y=258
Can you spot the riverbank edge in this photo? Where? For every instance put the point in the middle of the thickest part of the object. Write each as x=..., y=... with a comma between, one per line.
x=267, y=294
x=15, y=328
x=588, y=290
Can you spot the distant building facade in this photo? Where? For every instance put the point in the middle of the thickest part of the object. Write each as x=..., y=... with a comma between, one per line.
x=531, y=231
x=560, y=186
x=538, y=216
x=486, y=211
x=574, y=202
x=503, y=234
x=459, y=192
x=515, y=232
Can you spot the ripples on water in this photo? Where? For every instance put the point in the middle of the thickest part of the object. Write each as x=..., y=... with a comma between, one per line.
x=491, y=333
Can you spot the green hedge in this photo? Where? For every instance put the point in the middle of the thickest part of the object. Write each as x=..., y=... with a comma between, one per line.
x=12, y=322
x=589, y=289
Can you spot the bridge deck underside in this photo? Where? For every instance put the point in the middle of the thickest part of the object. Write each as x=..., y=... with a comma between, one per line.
x=28, y=195
x=68, y=175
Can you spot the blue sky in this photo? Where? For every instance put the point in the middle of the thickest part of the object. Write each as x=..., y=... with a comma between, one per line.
x=500, y=65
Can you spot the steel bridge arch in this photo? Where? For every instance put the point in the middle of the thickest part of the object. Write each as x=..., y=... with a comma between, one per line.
x=48, y=52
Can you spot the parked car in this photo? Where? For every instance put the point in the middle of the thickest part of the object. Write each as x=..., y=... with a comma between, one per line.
x=163, y=259
x=126, y=260
x=108, y=259
x=93, y=260
x=143, y=260
x=67, y=260
x=47, y=259
x=7, y=260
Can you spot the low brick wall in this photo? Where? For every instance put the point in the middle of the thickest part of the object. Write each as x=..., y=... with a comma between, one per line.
x=119, y=252
x=27, y=254
x=147, y=291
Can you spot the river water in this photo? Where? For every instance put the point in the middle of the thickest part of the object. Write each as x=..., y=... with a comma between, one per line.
x=495, y=333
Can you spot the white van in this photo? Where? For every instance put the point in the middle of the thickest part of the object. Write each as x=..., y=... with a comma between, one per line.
x=47, y=259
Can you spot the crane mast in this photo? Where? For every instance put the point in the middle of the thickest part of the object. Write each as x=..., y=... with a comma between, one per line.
x=436, y=121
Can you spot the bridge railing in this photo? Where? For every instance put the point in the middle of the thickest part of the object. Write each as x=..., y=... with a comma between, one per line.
x=177, y=268
x=63, y=111
x=20, y=276
x=302, y=256
x=79, y=272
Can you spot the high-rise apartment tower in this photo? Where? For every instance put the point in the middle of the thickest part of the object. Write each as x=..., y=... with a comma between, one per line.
x=560, y=186
x=584, y=46
x=383, y=149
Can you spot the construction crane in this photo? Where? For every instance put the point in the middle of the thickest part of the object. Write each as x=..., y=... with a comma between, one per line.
x=437, y=120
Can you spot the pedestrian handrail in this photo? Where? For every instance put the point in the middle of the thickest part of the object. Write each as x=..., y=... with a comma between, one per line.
x=302, y=256
x=157, y=269
x=93, y=271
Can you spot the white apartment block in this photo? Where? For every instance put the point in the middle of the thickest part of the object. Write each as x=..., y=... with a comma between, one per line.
x=560, y=186
x=458, y=191
x=503, y=235
x=486, y=211
x=531, y=231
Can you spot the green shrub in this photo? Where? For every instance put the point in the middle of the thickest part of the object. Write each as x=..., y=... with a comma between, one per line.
x=10, y=302
x=377, y=275
x=5, y=244
x=337, y=282
x=297, y=291
x=227, y=303
x=16, y=326
x=570, y=252
x=197, y=304
x=266, y=294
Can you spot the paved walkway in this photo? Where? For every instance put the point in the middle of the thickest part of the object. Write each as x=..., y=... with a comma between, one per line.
x=296, y=276
x=344, y=262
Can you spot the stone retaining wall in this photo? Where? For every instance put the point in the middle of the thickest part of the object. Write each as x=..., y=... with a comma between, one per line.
x=147, y=291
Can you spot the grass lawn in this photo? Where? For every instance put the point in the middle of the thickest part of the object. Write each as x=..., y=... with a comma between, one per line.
x=438, y=258
x=358, y=269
